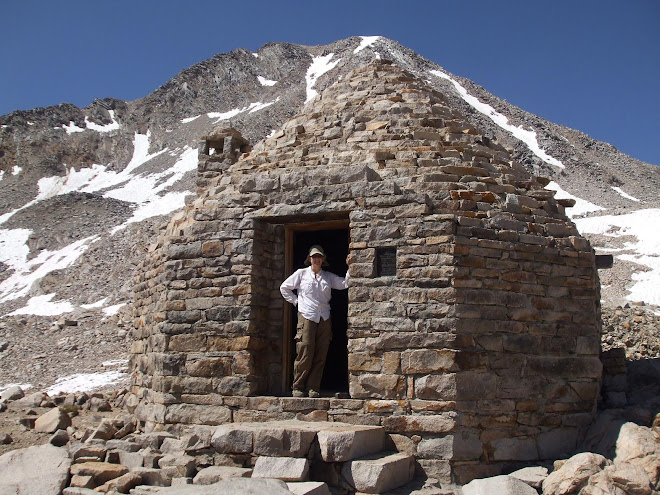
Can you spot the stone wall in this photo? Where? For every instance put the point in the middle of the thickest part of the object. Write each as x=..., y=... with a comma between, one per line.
x=483, y=344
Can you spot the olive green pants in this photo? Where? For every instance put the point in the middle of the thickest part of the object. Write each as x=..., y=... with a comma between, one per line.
x=312, y=342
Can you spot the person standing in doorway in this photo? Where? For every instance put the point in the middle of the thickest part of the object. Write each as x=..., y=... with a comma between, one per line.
x=314, y=332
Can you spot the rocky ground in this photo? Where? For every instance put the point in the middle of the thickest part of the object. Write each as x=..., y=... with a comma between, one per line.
x=46, y=350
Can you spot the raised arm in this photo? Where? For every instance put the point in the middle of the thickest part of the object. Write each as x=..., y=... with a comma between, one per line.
x=340, y=283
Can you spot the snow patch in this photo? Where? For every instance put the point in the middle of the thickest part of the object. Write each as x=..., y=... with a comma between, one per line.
x=43, y=306
x=318, y=67
x=114, y=362
x=2, y=174
x=645, y=247
x=13, y=246
x=149, y=191
x=225, y=115
x=97, y=304
x=15, y=170
x=627, y=196
x=112, y=126
x=85, y=382
x=189, y=119
x=26, y=272
x=366, y=41
x=113, y=310
x=527, y=137
x=253, y=107
x=72, y=127
x=266, y=82
x=581, y=207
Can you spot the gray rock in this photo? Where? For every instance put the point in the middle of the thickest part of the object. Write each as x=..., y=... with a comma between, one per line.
x=378, y=474
x=630, y=478
x=309, y=488
x=500, y=485
x=104, y=431
x=350, y=442
x=281, y=468
x=12, y=393
x=533, y=476
x=72, y=490
x=574, y=474
x=234, y=486
x=230, y=439
x=213, y=474
x=59, y=439
x=32, y=400
x=42, y=470
x=53, y=420
x=640, y=446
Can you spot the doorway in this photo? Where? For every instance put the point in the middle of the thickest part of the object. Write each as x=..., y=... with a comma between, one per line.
x=334, y=237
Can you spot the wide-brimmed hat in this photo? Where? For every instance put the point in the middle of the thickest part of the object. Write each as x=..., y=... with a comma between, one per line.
x=316, y=249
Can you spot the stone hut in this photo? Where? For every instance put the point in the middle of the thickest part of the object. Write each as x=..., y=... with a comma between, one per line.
x=471, y=329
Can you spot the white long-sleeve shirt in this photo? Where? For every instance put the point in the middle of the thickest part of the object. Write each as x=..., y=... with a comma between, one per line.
x=314, y=291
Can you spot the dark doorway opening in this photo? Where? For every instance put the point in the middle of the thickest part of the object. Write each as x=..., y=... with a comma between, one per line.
x=335, y=243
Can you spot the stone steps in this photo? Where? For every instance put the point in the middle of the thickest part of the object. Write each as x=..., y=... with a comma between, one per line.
x=350, y=456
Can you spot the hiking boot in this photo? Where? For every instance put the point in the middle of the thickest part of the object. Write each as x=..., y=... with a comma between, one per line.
x=314, y=394
x=298, y=393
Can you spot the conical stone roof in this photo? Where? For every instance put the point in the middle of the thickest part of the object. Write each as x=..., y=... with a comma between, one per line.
x=487, y=330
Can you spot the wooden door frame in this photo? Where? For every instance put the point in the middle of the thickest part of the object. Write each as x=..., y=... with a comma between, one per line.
x=289, y=232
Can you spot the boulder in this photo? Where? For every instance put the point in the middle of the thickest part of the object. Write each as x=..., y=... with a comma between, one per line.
x=630, y=478
x=100, y=471
x=177, y=466
x=123, y=484
x=12, y=393
x=41, y=470
x=151, y=476
x=340, y=444
x=59, y=439
x=53, y=420
x=233, y=486
x=639, y=445
x=377, y=473
x=80, y=481
x=284, y=441
x=231, y=439
x=533, y=476
x=33, y=400
x=500, y=485
x=309, y=488
x=104, y=431
x=574, y=474
x=71, y=490
x=213, y=474
x=281, y=468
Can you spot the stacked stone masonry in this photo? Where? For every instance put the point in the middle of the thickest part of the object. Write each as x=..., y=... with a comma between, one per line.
x=484, y=345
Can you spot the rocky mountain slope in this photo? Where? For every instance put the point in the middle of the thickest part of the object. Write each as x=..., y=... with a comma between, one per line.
x=84, y=191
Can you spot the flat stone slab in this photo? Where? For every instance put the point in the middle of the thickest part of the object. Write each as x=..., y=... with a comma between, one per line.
x=309, y=488
x=347, y=442
x=213, y=474
x=339, y=441
x=281, y=468
x=378, y=474
x=234, y=486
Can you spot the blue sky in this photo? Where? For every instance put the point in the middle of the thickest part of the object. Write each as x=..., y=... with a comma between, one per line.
x=593, y=65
